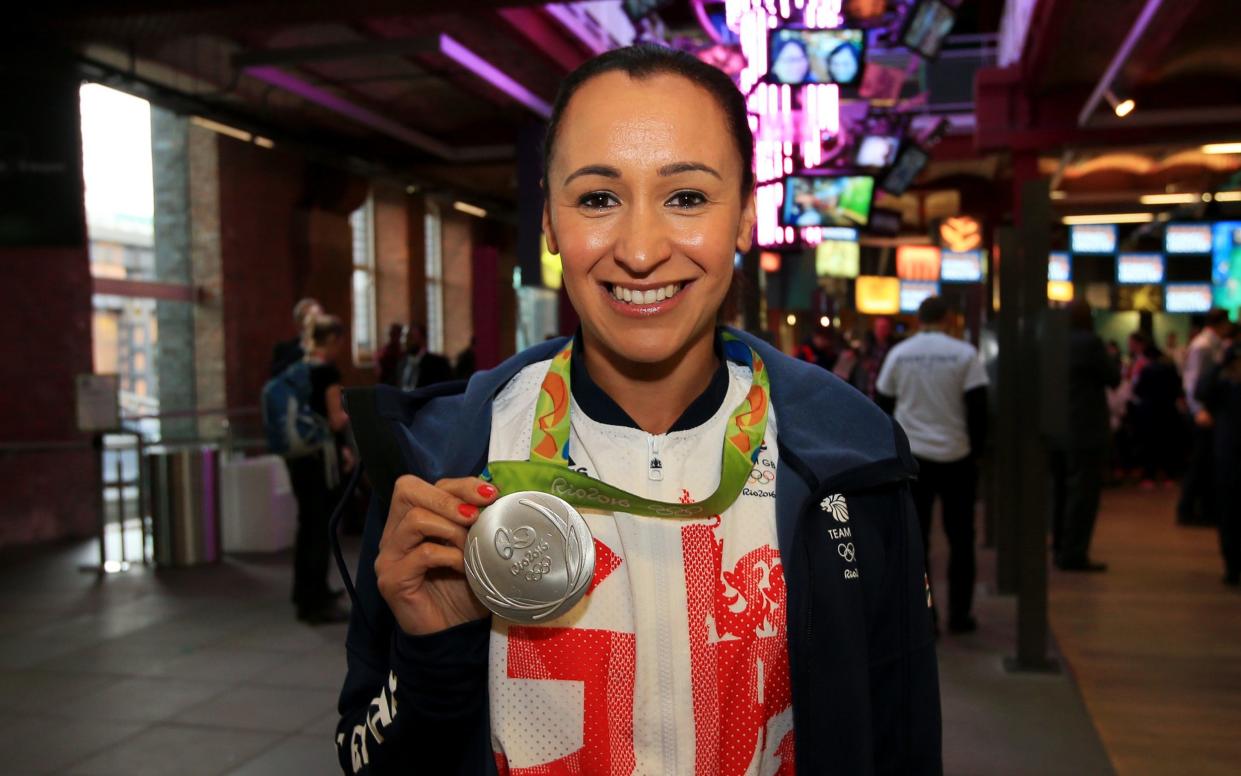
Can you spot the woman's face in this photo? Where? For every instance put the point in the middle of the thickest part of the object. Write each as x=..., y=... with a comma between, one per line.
x=644, y=206
x=843, y=65
x=791, y=65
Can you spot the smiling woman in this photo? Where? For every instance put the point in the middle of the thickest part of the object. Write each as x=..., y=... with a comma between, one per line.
x=640, y=600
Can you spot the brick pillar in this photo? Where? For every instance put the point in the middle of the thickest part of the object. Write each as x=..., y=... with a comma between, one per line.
x=208, y=276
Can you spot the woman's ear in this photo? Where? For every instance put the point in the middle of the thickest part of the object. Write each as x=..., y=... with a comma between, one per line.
x=549, y=232
x=745, y=227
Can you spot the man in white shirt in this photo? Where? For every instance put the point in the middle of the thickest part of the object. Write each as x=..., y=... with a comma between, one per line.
x=1195, y=506
x=937, y=387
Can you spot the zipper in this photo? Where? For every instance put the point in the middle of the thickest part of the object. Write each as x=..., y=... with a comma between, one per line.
x=654, y=467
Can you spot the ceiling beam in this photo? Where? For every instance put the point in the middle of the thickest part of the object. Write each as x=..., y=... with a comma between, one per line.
x=359, y=49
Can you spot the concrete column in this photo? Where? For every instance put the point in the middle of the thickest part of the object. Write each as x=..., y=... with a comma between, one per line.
x=208, y=277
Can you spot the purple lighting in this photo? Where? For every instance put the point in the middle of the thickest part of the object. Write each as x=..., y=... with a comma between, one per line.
x=492, y=75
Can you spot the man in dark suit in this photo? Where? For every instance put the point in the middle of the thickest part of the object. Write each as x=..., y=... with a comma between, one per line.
x=290, y=351
x=420, y=367
x=1091, y=372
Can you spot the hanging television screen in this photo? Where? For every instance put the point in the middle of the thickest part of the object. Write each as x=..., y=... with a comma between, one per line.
x=909, y=162
x=1226, y=265
x=877, y=295
x=837, y=259
x=811, y=200
x=1187, y=297
x=885, y=221
x=796, y=56
x=960, y=267
x=1192, y=239
x=877, y=150
x=1139, y=268
x=927, y=25
x=914, y=292
x=1060, y=267
x=1092, y=238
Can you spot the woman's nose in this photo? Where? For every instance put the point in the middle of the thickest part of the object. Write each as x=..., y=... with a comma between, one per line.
x=644, y=242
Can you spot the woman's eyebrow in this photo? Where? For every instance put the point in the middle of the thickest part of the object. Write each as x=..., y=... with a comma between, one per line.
x=677, y=168
x=593, y=169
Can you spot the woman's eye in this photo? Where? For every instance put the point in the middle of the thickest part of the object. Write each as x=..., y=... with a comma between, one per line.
x=687, y=199
x=597, y=200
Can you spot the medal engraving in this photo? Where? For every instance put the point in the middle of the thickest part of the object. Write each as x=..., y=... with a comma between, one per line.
x=529, y=557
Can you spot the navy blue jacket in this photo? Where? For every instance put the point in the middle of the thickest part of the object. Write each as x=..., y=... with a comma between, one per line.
x=861, y=653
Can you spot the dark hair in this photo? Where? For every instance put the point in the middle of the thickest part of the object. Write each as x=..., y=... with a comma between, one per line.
x=1215, y=317
x=1080, y=316
x=323, y=327
x=644, y=61
x=932, y=310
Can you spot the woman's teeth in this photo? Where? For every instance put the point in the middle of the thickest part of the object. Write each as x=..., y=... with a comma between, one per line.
x=650, y=296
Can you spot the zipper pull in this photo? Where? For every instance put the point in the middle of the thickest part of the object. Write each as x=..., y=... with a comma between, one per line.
x=655, y=469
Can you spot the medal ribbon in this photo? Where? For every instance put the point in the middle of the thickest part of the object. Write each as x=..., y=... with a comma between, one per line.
x=548, y=468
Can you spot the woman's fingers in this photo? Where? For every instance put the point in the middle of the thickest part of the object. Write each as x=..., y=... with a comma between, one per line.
x=421, y=524
x=414, y=565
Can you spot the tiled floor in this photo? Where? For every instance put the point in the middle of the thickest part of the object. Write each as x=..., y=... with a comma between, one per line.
x=204, y=671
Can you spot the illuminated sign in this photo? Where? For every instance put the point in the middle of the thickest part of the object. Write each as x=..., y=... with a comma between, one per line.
x=1092, y=238
x=877, y=295
x=1226, y=265
x=917, y=262
x=1059, y=291
x=963, y=267
x=1187, y=238
x=960, y=234
x=836, y=259
x=915, y=292
x=1187, y=297
x=1060, y=267
x=769, y=262
x=1139, y=268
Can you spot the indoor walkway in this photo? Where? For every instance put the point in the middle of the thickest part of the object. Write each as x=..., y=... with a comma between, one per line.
x=1155, y=643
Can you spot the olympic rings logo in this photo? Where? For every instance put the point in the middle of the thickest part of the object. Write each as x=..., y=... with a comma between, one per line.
x=762, y=476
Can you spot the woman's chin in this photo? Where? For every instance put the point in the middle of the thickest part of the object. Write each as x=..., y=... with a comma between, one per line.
x=646, y=345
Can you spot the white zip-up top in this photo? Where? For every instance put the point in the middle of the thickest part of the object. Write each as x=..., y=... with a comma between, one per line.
x=676, y=661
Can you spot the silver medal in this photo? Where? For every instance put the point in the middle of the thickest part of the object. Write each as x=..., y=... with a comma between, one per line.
x=529, y=557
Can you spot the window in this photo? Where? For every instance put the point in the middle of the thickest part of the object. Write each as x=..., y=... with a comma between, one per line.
x=362, y=221
x=435, y=279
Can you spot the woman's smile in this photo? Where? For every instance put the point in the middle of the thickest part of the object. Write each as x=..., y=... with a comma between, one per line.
x=643, y=300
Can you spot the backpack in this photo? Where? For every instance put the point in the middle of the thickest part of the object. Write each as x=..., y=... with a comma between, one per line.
x=292, y=428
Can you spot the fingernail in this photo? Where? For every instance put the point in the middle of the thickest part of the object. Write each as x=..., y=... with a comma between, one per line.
x=467, y=510
x=487, y=490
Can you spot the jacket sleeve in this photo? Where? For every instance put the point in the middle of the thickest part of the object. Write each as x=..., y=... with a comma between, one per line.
x=409, y=705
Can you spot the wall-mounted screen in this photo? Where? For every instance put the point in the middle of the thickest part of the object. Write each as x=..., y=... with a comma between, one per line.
x=1139, y=268
x=816, y=56
x=961, y=267
x=877, y=150
x=885, y=221
x=917, y=262
x=1187, y=297
x=877, y=295
x=928, y=24
x=909, y=162
x=1092, y=238
x=1226, y=265
x=827, y=201
x=1060, y=267
x=837, y=259
x=914, y=292
x=1187, y=238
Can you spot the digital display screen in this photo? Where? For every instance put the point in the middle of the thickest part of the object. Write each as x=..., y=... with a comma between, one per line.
x=837, y=259
x=1187, y=238
x=929, y=23
x=884, y=221
x=962, y=267
x=1139, y=268
x=907, y=166
x=827, y=201
x=1226, y=265
x=917, y=262
x=816, y=56
x=1060, y=267
x=914, y=292
x=877, y=295
x=1092, y=238
x=1187, y=297
x=877, y=150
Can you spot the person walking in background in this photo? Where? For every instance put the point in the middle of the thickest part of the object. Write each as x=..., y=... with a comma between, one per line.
x=1153, y=407
x=818, y=350
x=420, y=367
x=1196, y=505
x=1092, y=371
x=388, y=365
x=936, y=388
x=879, y=342
x=291, y=351
x=1219, y=394
x=465, y=362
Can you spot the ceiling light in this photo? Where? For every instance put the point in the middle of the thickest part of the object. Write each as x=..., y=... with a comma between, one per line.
x=1110, y=218
x=824, y=321
x=411, y=189
x=1228, y=196
x=1121, y=108
x=1206, y=196
x=1221, y=148
x=1058, y=195
x=473, y=210
x=1168, y=199
x=792, y=319
x=222, y=129
x=263, y=142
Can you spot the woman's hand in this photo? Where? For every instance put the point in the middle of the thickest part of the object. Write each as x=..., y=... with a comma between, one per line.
x=421, y=562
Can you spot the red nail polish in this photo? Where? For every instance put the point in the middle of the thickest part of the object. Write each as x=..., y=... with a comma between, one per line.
x=467, y=510
x=487, y=491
